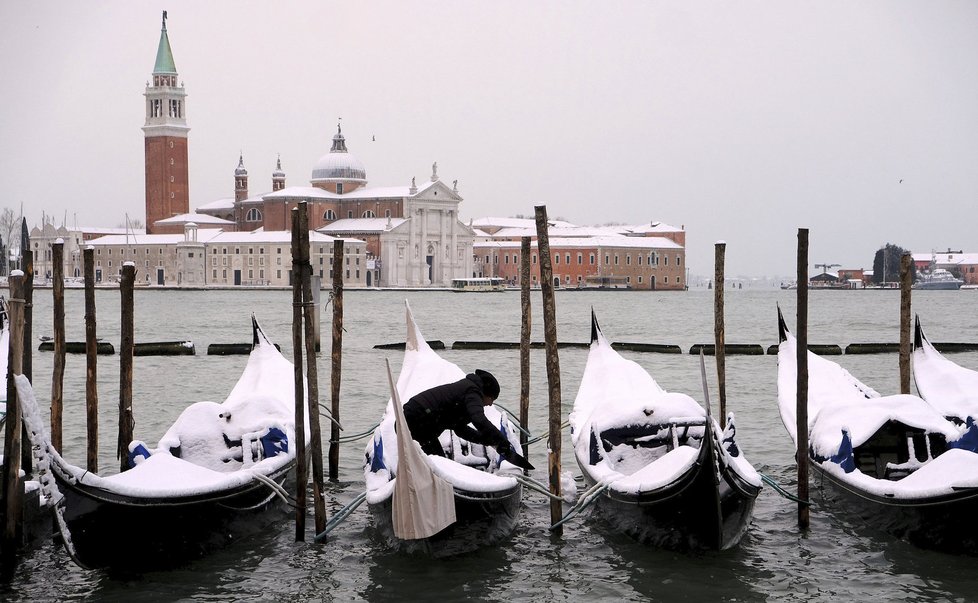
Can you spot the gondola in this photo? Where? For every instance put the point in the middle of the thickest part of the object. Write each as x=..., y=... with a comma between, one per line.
x=207, y=484
x=950, y=388
x=487, y=494
x=892, y=462
x=670, y=476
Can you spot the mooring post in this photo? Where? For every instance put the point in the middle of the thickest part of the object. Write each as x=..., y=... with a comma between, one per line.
x=801, y=423
x=312, y=371
x=91, y=362
x=525, y=343
x=27, y=257
x=126, y=347
x=301, y=472
x=905, y=287
x=317, y=320
x=553, y=363
x=336, y=360
x=58, y=377
x=13, y=486
x=718, y=330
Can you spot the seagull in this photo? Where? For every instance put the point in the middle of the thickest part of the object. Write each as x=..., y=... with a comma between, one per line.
x=901, y=181
x=374, y=139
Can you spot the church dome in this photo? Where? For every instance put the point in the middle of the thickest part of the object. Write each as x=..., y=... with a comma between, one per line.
x=339, y=165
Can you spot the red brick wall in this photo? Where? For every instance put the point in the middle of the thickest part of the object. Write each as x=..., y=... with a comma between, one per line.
x=166, y=160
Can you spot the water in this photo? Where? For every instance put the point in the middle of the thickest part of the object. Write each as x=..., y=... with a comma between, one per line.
x=837, y=559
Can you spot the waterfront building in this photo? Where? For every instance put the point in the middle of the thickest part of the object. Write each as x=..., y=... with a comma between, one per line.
x=651, y=256
x=74, y=239
x=961, y=264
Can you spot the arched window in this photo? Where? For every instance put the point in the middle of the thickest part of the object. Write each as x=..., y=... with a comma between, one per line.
x=369, y=214
x=253, y=215
x=329, y=215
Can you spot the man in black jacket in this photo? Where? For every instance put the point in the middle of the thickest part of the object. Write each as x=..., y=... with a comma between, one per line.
x=453, y=406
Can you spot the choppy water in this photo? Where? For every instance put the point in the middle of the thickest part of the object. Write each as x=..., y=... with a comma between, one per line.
x=837, y=559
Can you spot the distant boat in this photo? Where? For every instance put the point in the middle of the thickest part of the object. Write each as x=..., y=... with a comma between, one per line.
x=938, y=279
x=479, y=285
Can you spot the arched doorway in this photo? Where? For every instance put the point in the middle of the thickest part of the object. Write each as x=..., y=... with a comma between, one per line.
x=556, y=282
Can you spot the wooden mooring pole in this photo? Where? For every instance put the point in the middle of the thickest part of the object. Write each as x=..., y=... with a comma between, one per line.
x=718, y=329
x=525, y=328
x=553, y=362
x=301, y=471
x=312, y=371
x=336, y=360
x=801, y=423
x=27, y=257
x=905, y=288
x=126, y=347
x=91, y=363
x=13, y=486
x=58, y=376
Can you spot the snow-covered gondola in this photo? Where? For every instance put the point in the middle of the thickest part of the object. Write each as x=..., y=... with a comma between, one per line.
x=204, y=486
x=670, y=478
x=893, y=461
x=487, y=494
x=949, y=387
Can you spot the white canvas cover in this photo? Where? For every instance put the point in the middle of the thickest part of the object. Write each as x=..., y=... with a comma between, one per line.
x=423, y=503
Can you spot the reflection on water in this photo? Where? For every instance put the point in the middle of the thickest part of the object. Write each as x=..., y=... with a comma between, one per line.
x=839, y=558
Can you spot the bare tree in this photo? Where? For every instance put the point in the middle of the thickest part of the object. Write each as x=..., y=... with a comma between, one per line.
x=9, y=227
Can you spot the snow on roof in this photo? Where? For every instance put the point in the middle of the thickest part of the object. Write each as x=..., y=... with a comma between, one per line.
x=106, y=231
x=653, y=227
x=312, y=192
x=363, y=225
x=219, y=204
x=516, y=223
x=271, y=236
x=195, y=218
x=138, y=239
x=947, y=258
x=598, y=241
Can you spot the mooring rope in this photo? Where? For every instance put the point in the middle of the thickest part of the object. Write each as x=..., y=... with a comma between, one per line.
x=563, y=425
x=275, y=486
x=585, y=501
x=356, y=436
x=341, y=515
x=536, y=486
x=777, y=488
x=329, y=415
x=517, y=419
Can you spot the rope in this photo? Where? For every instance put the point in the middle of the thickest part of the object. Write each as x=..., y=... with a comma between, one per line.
x=586, y=500
x=276, y=488
x=517, y=423
x=341, y=515
x=536, y=486
x=770, y=481
x=563, y=425
x=329, y=415
x=355, y=437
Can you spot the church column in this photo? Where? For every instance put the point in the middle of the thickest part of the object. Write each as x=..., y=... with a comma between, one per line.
x=412, y=268
x=424, y=247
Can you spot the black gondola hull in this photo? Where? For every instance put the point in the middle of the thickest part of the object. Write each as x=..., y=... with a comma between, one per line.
x=945, y=523
x=142, y=533
x=482, y=519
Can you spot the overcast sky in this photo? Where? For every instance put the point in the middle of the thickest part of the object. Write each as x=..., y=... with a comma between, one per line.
x=741, y=121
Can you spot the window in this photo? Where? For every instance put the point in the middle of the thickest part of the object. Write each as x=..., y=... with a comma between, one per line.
x=592, y=259
x=251, y=274
x=679, y=260
x=507, y=259
x=628, y=259
x=329, y=215
x=580, y=259
x=215, y=274
x=349, y=214
x=640, y=260
x=369, y=214
x=607, y=259
x=665, y=280
x=556, y=258
x=339, y=188
x=387, y=213
x=666, y=258
x=616, y=259
x=639, y=280
x=224, y=273
x=567, y=259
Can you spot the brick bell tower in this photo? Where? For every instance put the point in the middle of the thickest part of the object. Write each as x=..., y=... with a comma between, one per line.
x=165, y=132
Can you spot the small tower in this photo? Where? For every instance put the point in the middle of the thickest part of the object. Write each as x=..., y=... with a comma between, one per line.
x=165, y=133
x=278, y=176
x=240, y=180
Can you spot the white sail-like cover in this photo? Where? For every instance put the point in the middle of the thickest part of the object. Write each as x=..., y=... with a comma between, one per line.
x=616, y=392
x=839, y=402
x=950, y=388
x=263, y=398
x=423, y=369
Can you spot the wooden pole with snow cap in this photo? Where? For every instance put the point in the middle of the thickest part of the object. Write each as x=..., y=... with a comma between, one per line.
x=126, y=350
x=91, y=363
x=905, y=287
x=301, y=472
x=525, y=343
x=718, y=329
x=58, y=376
x=336, y=360
x=801, y=355
x=553, y=363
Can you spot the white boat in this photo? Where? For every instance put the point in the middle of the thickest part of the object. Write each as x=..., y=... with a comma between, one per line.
x=670, y=478
x=938, y=279
x=479, y=285
x=486, y=492
x=891, y=461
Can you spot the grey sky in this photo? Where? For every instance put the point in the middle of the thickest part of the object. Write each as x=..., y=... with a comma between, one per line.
x=740, y=120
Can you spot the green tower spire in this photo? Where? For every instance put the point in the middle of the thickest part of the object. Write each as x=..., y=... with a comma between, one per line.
x=164, y=56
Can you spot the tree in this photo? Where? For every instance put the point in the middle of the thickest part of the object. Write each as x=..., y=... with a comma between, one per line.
x=886, y=264
x=10, y=227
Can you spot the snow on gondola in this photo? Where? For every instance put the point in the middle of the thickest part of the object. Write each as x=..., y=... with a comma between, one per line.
x=486, y=492
x=672, y=477
x=949, y=387
x=204, y=486
x=893, y=461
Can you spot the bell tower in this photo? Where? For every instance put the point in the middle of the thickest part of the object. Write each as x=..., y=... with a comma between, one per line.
x=165, y=133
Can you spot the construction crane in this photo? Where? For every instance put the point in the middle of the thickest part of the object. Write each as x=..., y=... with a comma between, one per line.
x=826, y=267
